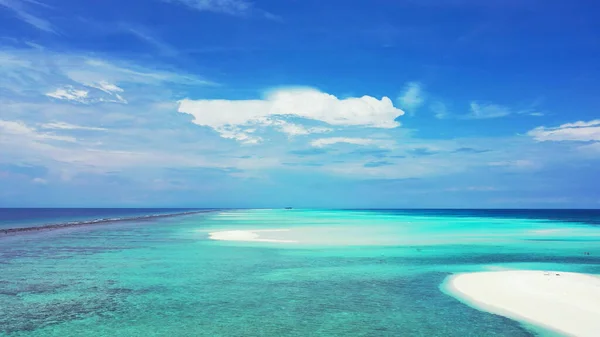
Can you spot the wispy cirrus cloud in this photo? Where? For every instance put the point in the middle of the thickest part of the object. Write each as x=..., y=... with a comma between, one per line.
x=487, y=111
x=322, y=142
x=440, y=110
x=578, y=131
x=412, y=97
x=69, y=93
x=11, y=129
x=40, y=181
x=490, y=110
x=581, y=132
x=106, y=92
x=145, y=36
x=21, y=11
x=47, y=144
x=517, y=164
x=40, y=124
x=93, y=71
x=68, y=126
x=230, y=7
x=79, y=77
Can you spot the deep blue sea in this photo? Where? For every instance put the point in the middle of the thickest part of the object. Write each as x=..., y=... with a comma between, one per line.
x=30, y=217
x=301, y=273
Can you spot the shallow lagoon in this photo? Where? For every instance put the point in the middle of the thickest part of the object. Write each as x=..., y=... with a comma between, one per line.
x=360, y=273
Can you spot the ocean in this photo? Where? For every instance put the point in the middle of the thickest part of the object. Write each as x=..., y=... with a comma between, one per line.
x=39, y=217
x=315, y=272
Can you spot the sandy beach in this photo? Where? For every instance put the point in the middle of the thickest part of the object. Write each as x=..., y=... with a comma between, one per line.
x=568, y=303
x=247, y=235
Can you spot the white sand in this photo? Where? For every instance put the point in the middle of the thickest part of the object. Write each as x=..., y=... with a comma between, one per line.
x=246, y=235
x=568, y=302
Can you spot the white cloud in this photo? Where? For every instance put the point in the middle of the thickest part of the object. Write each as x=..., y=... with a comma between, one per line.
x=20, y=143
x=67, y=126
x=292, y=129
x=110, y=89
x=321, y=142
x=226, y=116
x=578, y=131
x=581, y=124
x=8, y=61
x=118, y=99
x=440, y=110
x=69, y=93
x=39, y=181
x=24, y=15
x=162, y=47
x=242, y=136
x=485, y=111
x=16, y=129
x=25, y=71
x=232, y=7
x=412, y=97
x=106, y=87
x=396, y=169
x=94, y=72
x=517, y=164
x=34, y=45
x=481, y=111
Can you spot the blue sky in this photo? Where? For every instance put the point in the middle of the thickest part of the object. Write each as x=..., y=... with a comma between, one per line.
x=233, y=103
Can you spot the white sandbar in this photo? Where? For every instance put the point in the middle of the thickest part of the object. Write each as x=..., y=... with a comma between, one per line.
x=565, y=302
x=246, y=235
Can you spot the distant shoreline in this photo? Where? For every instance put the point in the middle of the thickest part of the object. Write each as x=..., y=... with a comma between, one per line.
x=54, y=226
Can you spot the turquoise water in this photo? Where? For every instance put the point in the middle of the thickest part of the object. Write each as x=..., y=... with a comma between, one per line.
x=349, y=273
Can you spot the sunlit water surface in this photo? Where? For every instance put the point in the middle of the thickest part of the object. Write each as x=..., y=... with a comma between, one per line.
x=347, y=273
